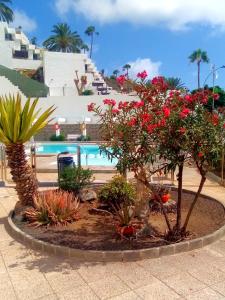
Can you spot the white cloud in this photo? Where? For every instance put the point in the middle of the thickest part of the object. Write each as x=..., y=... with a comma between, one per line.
x=23, y=20
x=174, y=14
x=141, y=64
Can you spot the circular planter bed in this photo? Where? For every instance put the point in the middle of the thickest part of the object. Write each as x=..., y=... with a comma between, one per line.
x=93, y=236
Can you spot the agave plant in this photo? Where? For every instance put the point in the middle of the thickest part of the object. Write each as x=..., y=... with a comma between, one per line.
x=53, y=208
x=17, y=125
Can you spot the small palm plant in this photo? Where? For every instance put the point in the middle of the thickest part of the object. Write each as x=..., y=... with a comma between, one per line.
x=17, y=125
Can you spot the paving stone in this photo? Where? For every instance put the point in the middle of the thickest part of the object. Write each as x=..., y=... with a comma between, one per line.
x=109, y=287
x=79, y=293
x=136, y=277
x=63, y=282
x=204, y=294
x=161, y=268
x=219, y=287
x=7, y=293
x=92, y=273
x=157, y=291
x=30, y=284
x=208, y=275
x=127, y=296
x=184, y=283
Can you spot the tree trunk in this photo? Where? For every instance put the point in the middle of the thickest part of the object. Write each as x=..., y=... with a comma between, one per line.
x=199, y=85
x=179, y=200
x=22, y=173
x=203, y=179
x=92, y=39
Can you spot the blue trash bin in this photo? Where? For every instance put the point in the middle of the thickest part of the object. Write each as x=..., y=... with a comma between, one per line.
x=64, y=162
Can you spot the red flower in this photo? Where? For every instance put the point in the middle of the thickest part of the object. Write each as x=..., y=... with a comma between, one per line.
x=224, y=125
x=215, y=119
x=165, y=198
x=166, y=112
x=216, y=96
x=122, y=104
x=121, y=79
x=188, y=98
x=200, y=154
x=132, y=122
x=115, y=111
x=109, y=102
x=185, y=112
x=139, y=104
x=91, y=106
x=182, y=130
x=151, y=128
x=142, y=75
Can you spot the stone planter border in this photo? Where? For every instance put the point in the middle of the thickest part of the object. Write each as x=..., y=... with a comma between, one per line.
x=109, y=256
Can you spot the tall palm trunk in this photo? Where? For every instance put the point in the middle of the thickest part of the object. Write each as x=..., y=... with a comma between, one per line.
x=199, y=85
x=92, y=40
x=22, y=174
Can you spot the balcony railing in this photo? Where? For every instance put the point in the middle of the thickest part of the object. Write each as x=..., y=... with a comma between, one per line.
x=20, y=54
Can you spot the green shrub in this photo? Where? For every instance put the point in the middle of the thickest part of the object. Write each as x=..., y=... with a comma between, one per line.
x=74, y=179
x=83, y=138
x=88, y=93
x=59, y=138
x=117, y=192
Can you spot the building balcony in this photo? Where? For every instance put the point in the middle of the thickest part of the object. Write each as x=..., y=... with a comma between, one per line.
x=20, y=54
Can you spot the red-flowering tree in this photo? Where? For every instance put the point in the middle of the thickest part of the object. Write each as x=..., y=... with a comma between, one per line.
x=167, y=127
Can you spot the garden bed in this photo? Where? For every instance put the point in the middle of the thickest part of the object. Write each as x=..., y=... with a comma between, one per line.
x=97, y=232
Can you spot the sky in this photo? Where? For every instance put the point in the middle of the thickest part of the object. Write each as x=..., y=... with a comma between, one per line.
x=156, y=36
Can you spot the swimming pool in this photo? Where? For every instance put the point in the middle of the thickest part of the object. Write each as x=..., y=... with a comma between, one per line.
x=90, y=153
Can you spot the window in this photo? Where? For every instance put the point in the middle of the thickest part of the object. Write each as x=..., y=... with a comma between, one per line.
x=23, y=47
x=8, y=37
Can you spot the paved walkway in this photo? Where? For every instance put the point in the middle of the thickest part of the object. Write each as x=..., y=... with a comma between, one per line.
x=27, y=274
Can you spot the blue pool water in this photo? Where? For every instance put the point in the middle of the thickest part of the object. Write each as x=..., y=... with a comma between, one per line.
x=90, y=154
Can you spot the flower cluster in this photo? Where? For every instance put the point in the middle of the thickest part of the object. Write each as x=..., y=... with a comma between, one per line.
x=142, y=75
x=121, y=80
x=109, y=102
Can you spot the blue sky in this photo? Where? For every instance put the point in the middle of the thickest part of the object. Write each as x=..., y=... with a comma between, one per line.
x=157, y=36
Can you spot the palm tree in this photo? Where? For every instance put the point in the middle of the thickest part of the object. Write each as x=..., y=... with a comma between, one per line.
x=6, y=13
x=116, y=72
x=199, y=56
x=63, y=39
x=17, y=125
x=126, y=68
x=90, y=31
x=174, y=83
x=84, y=47
x=33, y=40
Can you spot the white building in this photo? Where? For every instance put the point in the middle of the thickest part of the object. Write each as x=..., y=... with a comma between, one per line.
x=66, y=74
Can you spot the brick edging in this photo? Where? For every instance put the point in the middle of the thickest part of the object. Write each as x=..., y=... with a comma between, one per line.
x=109, y=256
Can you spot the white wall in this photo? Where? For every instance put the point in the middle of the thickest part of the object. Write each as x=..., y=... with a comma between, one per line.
x=61, y=68
x=60, y=71
x=74, y=109
x=28, y=64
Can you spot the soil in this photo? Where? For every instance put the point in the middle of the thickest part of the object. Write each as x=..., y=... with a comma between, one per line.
x=97, y=232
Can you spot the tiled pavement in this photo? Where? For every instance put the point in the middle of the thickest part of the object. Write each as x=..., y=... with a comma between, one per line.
x=26, y=274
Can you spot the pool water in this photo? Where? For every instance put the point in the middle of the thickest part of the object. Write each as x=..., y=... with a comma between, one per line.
x=90, y=154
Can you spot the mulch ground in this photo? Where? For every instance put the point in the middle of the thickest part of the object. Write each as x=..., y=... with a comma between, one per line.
x=97, y=232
